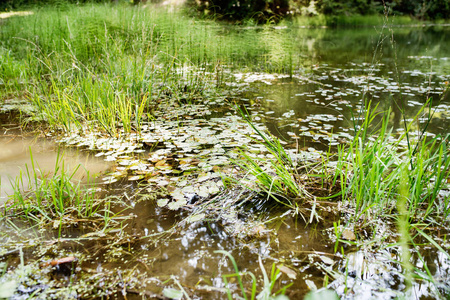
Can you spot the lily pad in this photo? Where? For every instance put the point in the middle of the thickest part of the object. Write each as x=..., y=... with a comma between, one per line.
x=175, y=205
x=196, y=218
x=162, y=202
x=172, y=293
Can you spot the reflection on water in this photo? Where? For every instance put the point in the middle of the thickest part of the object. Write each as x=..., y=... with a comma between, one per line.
x=380, y=276
x=189, y=253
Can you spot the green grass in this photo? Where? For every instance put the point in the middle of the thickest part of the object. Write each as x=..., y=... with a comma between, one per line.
x=372, y=166
x=51, y=196
x=278, y=178
x=106, y=68
x=382, y=177
x=369, y=170
x=110, y=65
x=58, y=198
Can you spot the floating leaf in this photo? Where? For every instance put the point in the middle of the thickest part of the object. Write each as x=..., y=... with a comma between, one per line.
x=109, y=179
x=163, y=182
x=160, y=163
x=188, y=189
x=175, y=205
x=182, y=183
x=203, y=177
x=289, y=272
x=177, y=194
x=326, y=260
x=196, y=218
x=213, y=188
x=172, y=293
x=162, y=202
x=125, y=162
x=203, y=191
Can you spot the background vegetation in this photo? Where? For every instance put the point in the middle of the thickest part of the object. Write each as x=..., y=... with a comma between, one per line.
x=275, y=10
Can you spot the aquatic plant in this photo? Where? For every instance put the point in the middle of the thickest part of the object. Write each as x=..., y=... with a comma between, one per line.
x=38, y=195
x=372, y=166
x=368, y=169
x=379, y=175
x=283, y=184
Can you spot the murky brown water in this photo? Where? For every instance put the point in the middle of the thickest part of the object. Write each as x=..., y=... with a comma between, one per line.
x=17, y=147
x=188, y=253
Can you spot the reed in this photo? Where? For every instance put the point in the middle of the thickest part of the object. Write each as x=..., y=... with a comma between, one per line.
x=108, y=66
x=371, y=167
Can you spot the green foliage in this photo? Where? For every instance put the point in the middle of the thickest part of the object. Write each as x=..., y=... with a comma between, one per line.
x=434, y=9
x=371, y=169
x=430, y=9
x=114, y=63
x=348, y=7
x=18, y=4
x=98, y=63
x=259, y=10
x=264, y=10
x=277, y=177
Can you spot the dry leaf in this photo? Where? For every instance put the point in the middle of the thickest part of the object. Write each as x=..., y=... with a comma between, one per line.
x=289, y=272
x=348, y=235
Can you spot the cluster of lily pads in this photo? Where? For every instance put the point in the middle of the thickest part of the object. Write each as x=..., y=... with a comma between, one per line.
x=339, y=94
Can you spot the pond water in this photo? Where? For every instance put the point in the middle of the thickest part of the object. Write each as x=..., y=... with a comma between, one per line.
x=314, y=105
x=396, y=68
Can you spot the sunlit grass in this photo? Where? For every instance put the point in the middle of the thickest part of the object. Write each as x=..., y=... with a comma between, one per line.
x=372, y=166
x=277, y=177
x=111, y=65
x=4, y=15
x=368, y=172
x=381, y=178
